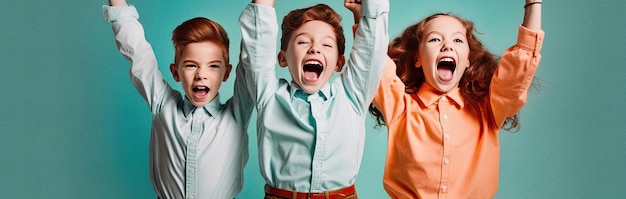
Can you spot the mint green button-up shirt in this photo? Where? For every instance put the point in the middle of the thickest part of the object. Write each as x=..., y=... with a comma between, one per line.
x=312, y=143
x=195, y=152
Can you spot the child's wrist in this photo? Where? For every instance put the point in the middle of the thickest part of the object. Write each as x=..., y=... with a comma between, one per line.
x=532, y=3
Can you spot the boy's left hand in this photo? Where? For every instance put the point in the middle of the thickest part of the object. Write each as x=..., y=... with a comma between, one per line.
x=355, y=7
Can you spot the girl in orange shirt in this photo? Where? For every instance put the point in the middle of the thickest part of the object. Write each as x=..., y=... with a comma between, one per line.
x=446, y=102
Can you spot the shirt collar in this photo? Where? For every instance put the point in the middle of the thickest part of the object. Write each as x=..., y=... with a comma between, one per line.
x=296, y=91
x=211, y=108
x=429, y=95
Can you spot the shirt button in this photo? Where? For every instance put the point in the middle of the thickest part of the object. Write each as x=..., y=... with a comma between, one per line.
x=445, y=116
x=444, y=188
x=192, y=142
x=446, y=161
x=192, y=170
x=323, y=136
x=444, y=98
x=446, y=136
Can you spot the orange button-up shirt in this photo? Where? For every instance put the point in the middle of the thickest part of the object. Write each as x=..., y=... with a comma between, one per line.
x=439, y=147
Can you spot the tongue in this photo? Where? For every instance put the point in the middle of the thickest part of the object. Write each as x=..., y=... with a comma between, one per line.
x=200, y=93
x=310, y=76
x=444, y=73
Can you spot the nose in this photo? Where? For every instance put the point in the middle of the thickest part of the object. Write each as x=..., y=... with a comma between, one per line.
x=200, y=75
x=313, y=49
x=446, y=47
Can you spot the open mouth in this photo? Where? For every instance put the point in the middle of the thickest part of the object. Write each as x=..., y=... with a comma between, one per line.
x=200, y=91
x=446, y=68
x=312, y=70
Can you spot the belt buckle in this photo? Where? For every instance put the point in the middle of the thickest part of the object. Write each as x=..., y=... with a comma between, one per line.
x=316, y=195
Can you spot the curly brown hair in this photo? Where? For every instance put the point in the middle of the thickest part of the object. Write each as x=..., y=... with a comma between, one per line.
x=474, y=85
x=321, y=12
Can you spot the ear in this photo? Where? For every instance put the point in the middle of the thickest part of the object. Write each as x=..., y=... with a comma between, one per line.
x=282, y=59
x=340, y=62
x=174, y=70
x=418, y=64
x=227, y=73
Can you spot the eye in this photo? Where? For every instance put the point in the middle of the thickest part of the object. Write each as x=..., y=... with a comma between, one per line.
x=434, y=40
x=190, y=66
x=459, y=41
x=302, y=42
x=328, y=45
x=214, y=66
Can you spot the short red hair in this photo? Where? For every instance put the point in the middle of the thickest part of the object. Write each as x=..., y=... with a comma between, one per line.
x=199, y=29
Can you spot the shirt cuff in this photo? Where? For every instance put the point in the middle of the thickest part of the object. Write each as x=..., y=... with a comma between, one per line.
x=530, y=40
x=116, y=13
x=263, y=11
x=374, y=8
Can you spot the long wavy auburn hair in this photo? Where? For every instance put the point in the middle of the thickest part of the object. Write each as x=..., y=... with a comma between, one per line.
x=474, y=85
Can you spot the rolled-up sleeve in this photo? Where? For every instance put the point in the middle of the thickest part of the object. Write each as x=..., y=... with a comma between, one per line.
x=514, y=75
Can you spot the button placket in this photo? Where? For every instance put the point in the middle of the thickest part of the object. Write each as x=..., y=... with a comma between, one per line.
x=197, y=126
x=444, y=107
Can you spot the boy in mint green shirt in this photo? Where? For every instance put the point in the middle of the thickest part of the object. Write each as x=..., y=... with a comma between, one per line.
x=198, y=145
x=311, y=129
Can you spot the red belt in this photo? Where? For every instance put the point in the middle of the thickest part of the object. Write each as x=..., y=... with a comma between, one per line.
x=335, y=194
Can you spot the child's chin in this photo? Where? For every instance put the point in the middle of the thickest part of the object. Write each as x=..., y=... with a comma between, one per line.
x=310, y=89
x=200, y=102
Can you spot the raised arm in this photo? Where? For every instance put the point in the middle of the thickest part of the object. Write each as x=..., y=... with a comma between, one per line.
x=369, y=50
x=243, y=81
x=532, y=14
x=517, y=66
x=259, y=33
x=132, y=44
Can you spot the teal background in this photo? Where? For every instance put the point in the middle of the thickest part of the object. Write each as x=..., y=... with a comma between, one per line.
x=73, y=126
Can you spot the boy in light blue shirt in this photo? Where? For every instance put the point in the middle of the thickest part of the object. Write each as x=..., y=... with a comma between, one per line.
x=198, y=146
x=311, y=130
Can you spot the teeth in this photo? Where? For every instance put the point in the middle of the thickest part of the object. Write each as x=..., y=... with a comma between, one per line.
x=201, y=88
x=313, y=62
x=447, y=59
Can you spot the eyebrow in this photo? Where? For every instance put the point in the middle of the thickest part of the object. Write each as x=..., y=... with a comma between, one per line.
x=332, y=36
x=439, y=33
x=196, y=62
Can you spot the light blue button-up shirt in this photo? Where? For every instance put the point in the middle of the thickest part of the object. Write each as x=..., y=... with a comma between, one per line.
x=312, y=143
x=195, y=152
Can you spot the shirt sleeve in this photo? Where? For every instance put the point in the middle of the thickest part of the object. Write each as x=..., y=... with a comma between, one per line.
x=131, y=42
x=259, y=32
x=514, y=75
x=242, y=100
x=368, y=55
x=389, y=97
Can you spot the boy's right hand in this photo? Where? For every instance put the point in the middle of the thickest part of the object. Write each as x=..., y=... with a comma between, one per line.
x=264, y=2
x=118, y=3
x=355, y=7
